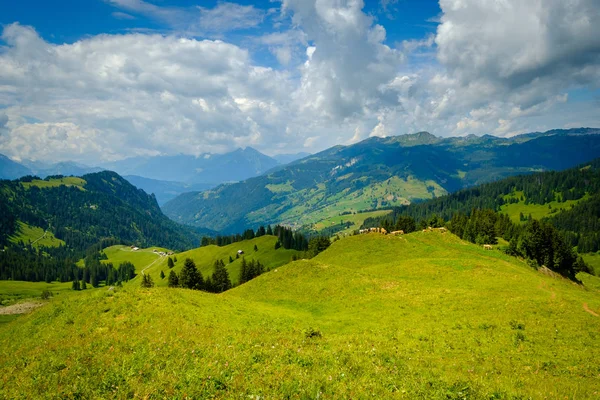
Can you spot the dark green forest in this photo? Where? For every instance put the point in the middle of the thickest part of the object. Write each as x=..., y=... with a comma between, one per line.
x=579, y=225
x=107, y=209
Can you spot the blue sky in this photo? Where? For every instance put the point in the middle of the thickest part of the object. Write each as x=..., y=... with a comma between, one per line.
x=101, y=80
x=66, y=21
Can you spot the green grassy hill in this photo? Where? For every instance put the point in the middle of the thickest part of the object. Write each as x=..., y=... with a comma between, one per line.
x=35, y=235
x=537, y=211
x=425, y=315
x=204, y=258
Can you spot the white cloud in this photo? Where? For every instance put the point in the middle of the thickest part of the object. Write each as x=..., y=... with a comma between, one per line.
x=229, y=16
x=140, y=92
x=224, y=17
x=122, y=15
x=337, y=81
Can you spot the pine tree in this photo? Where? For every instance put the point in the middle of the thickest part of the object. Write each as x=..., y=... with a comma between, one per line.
x=220, y=277
x=255, y=248
x=147, y=281
x=94, y=280
x=243, y=272
x=173, y=279
x=175, y=258
x=170, y=263
x=190, y=277
x=75, y=285
x=83, y=285
x=162, y=275
x=230, y=260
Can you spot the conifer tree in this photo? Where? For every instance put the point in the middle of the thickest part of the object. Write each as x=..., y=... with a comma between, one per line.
x=173, y=279
x=244, y=272
x=220, y=277
x=170, y=263
x=94, y=280
x=162, y=275
x=147, y=281
x=230, y=260
x=190, y=277
x=83, y=285
x=255, y=248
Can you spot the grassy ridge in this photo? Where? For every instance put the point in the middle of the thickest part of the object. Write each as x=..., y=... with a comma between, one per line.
x=52, y=183
x=37, y=236
x=421, y=316
x=204, y=258
x=356, y=220
x=537, y=211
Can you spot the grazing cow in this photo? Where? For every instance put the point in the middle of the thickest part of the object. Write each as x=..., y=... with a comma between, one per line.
x=373, y=230
x=401, y=232
x=383, y=231
x=443, y=229
x=487, y=246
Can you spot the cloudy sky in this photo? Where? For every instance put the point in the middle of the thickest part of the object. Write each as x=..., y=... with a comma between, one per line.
x=100, y=80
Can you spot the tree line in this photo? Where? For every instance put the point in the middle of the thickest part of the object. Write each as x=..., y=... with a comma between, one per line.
x=191, y=278
x=286, y=238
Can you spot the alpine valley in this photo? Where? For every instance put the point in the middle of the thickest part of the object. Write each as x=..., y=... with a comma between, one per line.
x=378, y=173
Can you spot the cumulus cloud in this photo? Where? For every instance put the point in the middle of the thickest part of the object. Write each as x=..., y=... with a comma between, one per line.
x=229, y=16
x=519, y=55
x=136, y=91
x=349, y=65
x=338, y=79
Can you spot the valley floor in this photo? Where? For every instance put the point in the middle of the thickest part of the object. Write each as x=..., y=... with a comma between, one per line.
x=425, y=315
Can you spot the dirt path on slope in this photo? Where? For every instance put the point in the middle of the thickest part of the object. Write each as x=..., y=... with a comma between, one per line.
x=21, y=308
x=587, y=309
x=41, y=237
x=152, y=263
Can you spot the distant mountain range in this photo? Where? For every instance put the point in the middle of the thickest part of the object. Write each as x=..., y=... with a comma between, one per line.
x=206, y=168
x=165, y=176
x=377, y=173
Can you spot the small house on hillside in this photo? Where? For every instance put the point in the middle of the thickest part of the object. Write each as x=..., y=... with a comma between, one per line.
x=240, y=252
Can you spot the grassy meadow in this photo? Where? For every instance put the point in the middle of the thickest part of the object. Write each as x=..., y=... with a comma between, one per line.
x=36, y=236
x=593, y=260
x=204, y=258
x=67, y=181
x=537, y=211
x=424, y=315
x=15, y=291
x=355, y=219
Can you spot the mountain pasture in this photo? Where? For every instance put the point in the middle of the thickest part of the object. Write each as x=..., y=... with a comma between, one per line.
x=35, y=235
x=424, y=315
x=537, y=211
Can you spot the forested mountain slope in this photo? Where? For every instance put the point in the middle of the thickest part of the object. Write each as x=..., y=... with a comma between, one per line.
x=82, y=211
x=569, y=200
x=378, y=173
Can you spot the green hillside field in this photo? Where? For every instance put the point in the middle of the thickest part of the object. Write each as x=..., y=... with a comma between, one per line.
x=35, y=235
x=15, y=291
x=52, y=183
x=537, y=211
x=425, y=316
x=204, y=258
x=355, y=219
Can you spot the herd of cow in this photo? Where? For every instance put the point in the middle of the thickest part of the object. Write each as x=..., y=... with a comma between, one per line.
x=383, y=231
x=379, y=230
